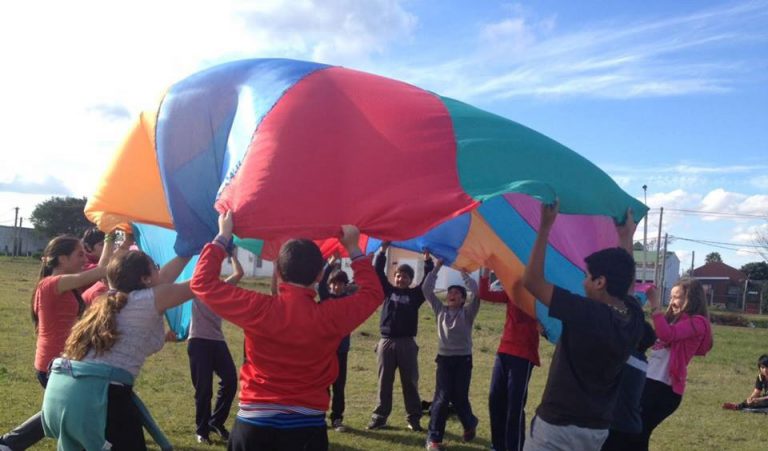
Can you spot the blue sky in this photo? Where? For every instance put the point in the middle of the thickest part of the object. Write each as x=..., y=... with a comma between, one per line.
x=670, y=94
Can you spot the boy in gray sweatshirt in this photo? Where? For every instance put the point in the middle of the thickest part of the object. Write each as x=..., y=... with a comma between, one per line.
x=454, y=356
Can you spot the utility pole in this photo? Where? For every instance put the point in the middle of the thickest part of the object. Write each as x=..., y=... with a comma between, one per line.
x=645, y=235
x=693, y=256
x=664, y=268
x=658, y=246
x=16, y=227
x=21, y=237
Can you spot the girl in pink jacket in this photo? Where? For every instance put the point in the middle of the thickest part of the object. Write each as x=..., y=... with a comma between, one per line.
x=682, y=332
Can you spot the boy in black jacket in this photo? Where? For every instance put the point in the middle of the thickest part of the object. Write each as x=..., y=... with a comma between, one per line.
x=397, y=347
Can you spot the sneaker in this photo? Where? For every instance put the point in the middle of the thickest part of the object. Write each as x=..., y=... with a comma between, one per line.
x=730, y=406
x=376, y=423
x=469, y=434
x=415, y=425
x=338, y=426
x=204, y=440
x=434, y=446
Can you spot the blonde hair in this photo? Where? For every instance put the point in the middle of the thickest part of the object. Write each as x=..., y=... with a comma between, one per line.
x=97, y=330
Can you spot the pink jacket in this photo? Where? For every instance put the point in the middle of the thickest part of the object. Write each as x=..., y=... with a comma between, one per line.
x=688, y=336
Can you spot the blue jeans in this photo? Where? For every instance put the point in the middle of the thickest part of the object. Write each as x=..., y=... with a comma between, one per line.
x=453, y=376
x=506, y=402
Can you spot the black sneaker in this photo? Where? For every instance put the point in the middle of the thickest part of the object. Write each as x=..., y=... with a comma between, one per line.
x=221, y=430
x=376, y=423
x=415, y=426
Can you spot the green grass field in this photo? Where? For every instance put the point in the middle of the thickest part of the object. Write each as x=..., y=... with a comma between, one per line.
x=726, y=374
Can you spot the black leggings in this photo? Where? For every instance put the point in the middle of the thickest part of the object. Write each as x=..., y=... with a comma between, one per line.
x=658, y=402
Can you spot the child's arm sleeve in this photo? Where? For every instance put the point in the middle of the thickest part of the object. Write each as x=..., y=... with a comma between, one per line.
x=473, y=307
x=381, y=266
x=428, y=289
x=670, y=333
x=236, y=305
x=491, y=296
x=322, y=286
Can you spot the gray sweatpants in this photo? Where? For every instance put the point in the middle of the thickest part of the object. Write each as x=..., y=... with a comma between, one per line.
x=398, y=353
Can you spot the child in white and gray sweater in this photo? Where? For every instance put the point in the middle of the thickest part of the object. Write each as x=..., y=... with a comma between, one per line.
x=455, y=320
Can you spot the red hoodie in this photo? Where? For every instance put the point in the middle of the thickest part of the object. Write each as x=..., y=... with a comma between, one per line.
x=290, y=340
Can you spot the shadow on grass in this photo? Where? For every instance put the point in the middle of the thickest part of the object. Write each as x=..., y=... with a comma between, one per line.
x=403, y=436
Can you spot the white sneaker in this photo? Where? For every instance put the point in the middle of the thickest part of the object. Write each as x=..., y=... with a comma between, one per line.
x=338, y=426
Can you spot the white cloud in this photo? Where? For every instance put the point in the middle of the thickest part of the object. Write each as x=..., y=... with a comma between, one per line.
x=519, y=55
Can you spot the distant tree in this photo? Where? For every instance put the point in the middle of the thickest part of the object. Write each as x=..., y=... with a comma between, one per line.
x=713, y=257
x=756, y=270
x=60, y=215
x=761, y=240
x=638, y=246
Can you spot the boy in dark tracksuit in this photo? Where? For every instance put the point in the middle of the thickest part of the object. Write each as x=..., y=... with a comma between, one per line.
x=397, y=348
x=335, y=285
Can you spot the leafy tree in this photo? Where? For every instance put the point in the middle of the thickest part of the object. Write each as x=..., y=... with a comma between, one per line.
x=638, y=246
x=713, y=257
x=756, y=270
x=60, y=215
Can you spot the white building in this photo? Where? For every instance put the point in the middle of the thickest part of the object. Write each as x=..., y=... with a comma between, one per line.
x=25, y=240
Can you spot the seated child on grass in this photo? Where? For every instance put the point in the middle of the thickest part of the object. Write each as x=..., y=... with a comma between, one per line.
x=759, y=397
x=290, y=339
x=454, y=356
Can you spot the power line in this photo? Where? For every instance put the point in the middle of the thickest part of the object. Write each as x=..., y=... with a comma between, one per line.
x=726, y=246
x=712, y=213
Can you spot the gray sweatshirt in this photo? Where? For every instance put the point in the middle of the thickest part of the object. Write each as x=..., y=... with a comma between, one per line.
x=454, y=326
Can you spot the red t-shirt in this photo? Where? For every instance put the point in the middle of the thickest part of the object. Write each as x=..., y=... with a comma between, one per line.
x=57, y=313
x=521, y=336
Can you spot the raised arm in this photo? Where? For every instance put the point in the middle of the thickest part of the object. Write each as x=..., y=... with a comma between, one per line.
x=236, y=305
x=485, y=292
x=533, y=277
x=429, y=265
x=428, y=288
x=473, y=307
x=171, y=270
x=381, y=268
x=237, y=270
x=170, y=295
x=69, y=282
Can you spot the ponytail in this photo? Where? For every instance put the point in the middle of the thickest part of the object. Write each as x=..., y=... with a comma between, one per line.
x=97, y=330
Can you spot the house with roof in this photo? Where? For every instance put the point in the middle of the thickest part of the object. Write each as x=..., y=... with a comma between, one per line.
x=723, y=284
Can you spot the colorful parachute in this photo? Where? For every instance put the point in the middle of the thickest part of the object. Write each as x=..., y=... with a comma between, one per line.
x=298, y=148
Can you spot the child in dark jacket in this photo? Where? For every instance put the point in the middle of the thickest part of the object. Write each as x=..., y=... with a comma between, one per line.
x=335, y=285
x=454, y=356
x=290, y=339
x=627, y=424
x=397, y=347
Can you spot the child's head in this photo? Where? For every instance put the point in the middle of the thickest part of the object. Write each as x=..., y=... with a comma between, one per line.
x=455, y=296
x=133, y=270
x=64, y=253
x=687, y=296
x=404, y=276
x=337, y=282
x=93, y=241
x=612, y=270
x=300, y=261
x=762, y=366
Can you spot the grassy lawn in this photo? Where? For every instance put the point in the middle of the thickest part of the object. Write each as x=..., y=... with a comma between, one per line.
x=726, y=374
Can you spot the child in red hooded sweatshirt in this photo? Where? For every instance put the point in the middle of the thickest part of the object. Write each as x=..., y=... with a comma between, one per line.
x=290, y=340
